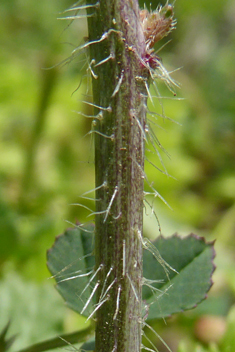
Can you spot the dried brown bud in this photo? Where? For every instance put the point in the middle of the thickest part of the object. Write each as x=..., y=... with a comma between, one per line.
x=157, y=24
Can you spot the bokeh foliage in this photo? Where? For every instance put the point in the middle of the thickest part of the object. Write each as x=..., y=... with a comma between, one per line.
x=46, y=163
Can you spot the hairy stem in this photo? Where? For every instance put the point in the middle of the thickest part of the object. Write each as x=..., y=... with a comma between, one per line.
x=120, y=96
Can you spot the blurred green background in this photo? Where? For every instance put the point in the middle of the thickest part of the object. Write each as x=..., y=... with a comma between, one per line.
x=46, y=161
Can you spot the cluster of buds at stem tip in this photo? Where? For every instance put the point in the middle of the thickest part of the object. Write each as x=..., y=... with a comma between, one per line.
x=156, y=25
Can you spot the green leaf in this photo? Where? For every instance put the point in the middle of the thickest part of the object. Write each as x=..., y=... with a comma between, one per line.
x=192, y=258
x=89, y=345
x=64, y=340
x=71, y=256
x=71, y=262
x=228, y=341
x=35, y=312
x=5, y=343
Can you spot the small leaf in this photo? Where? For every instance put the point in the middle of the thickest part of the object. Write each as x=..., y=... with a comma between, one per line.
x=192, y=258
x=71, y=262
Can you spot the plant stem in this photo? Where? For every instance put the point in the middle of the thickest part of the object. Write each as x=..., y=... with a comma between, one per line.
x=120, y=93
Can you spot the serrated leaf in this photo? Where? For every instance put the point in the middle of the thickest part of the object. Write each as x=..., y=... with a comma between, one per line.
x=192, y=258
x=70, y=261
